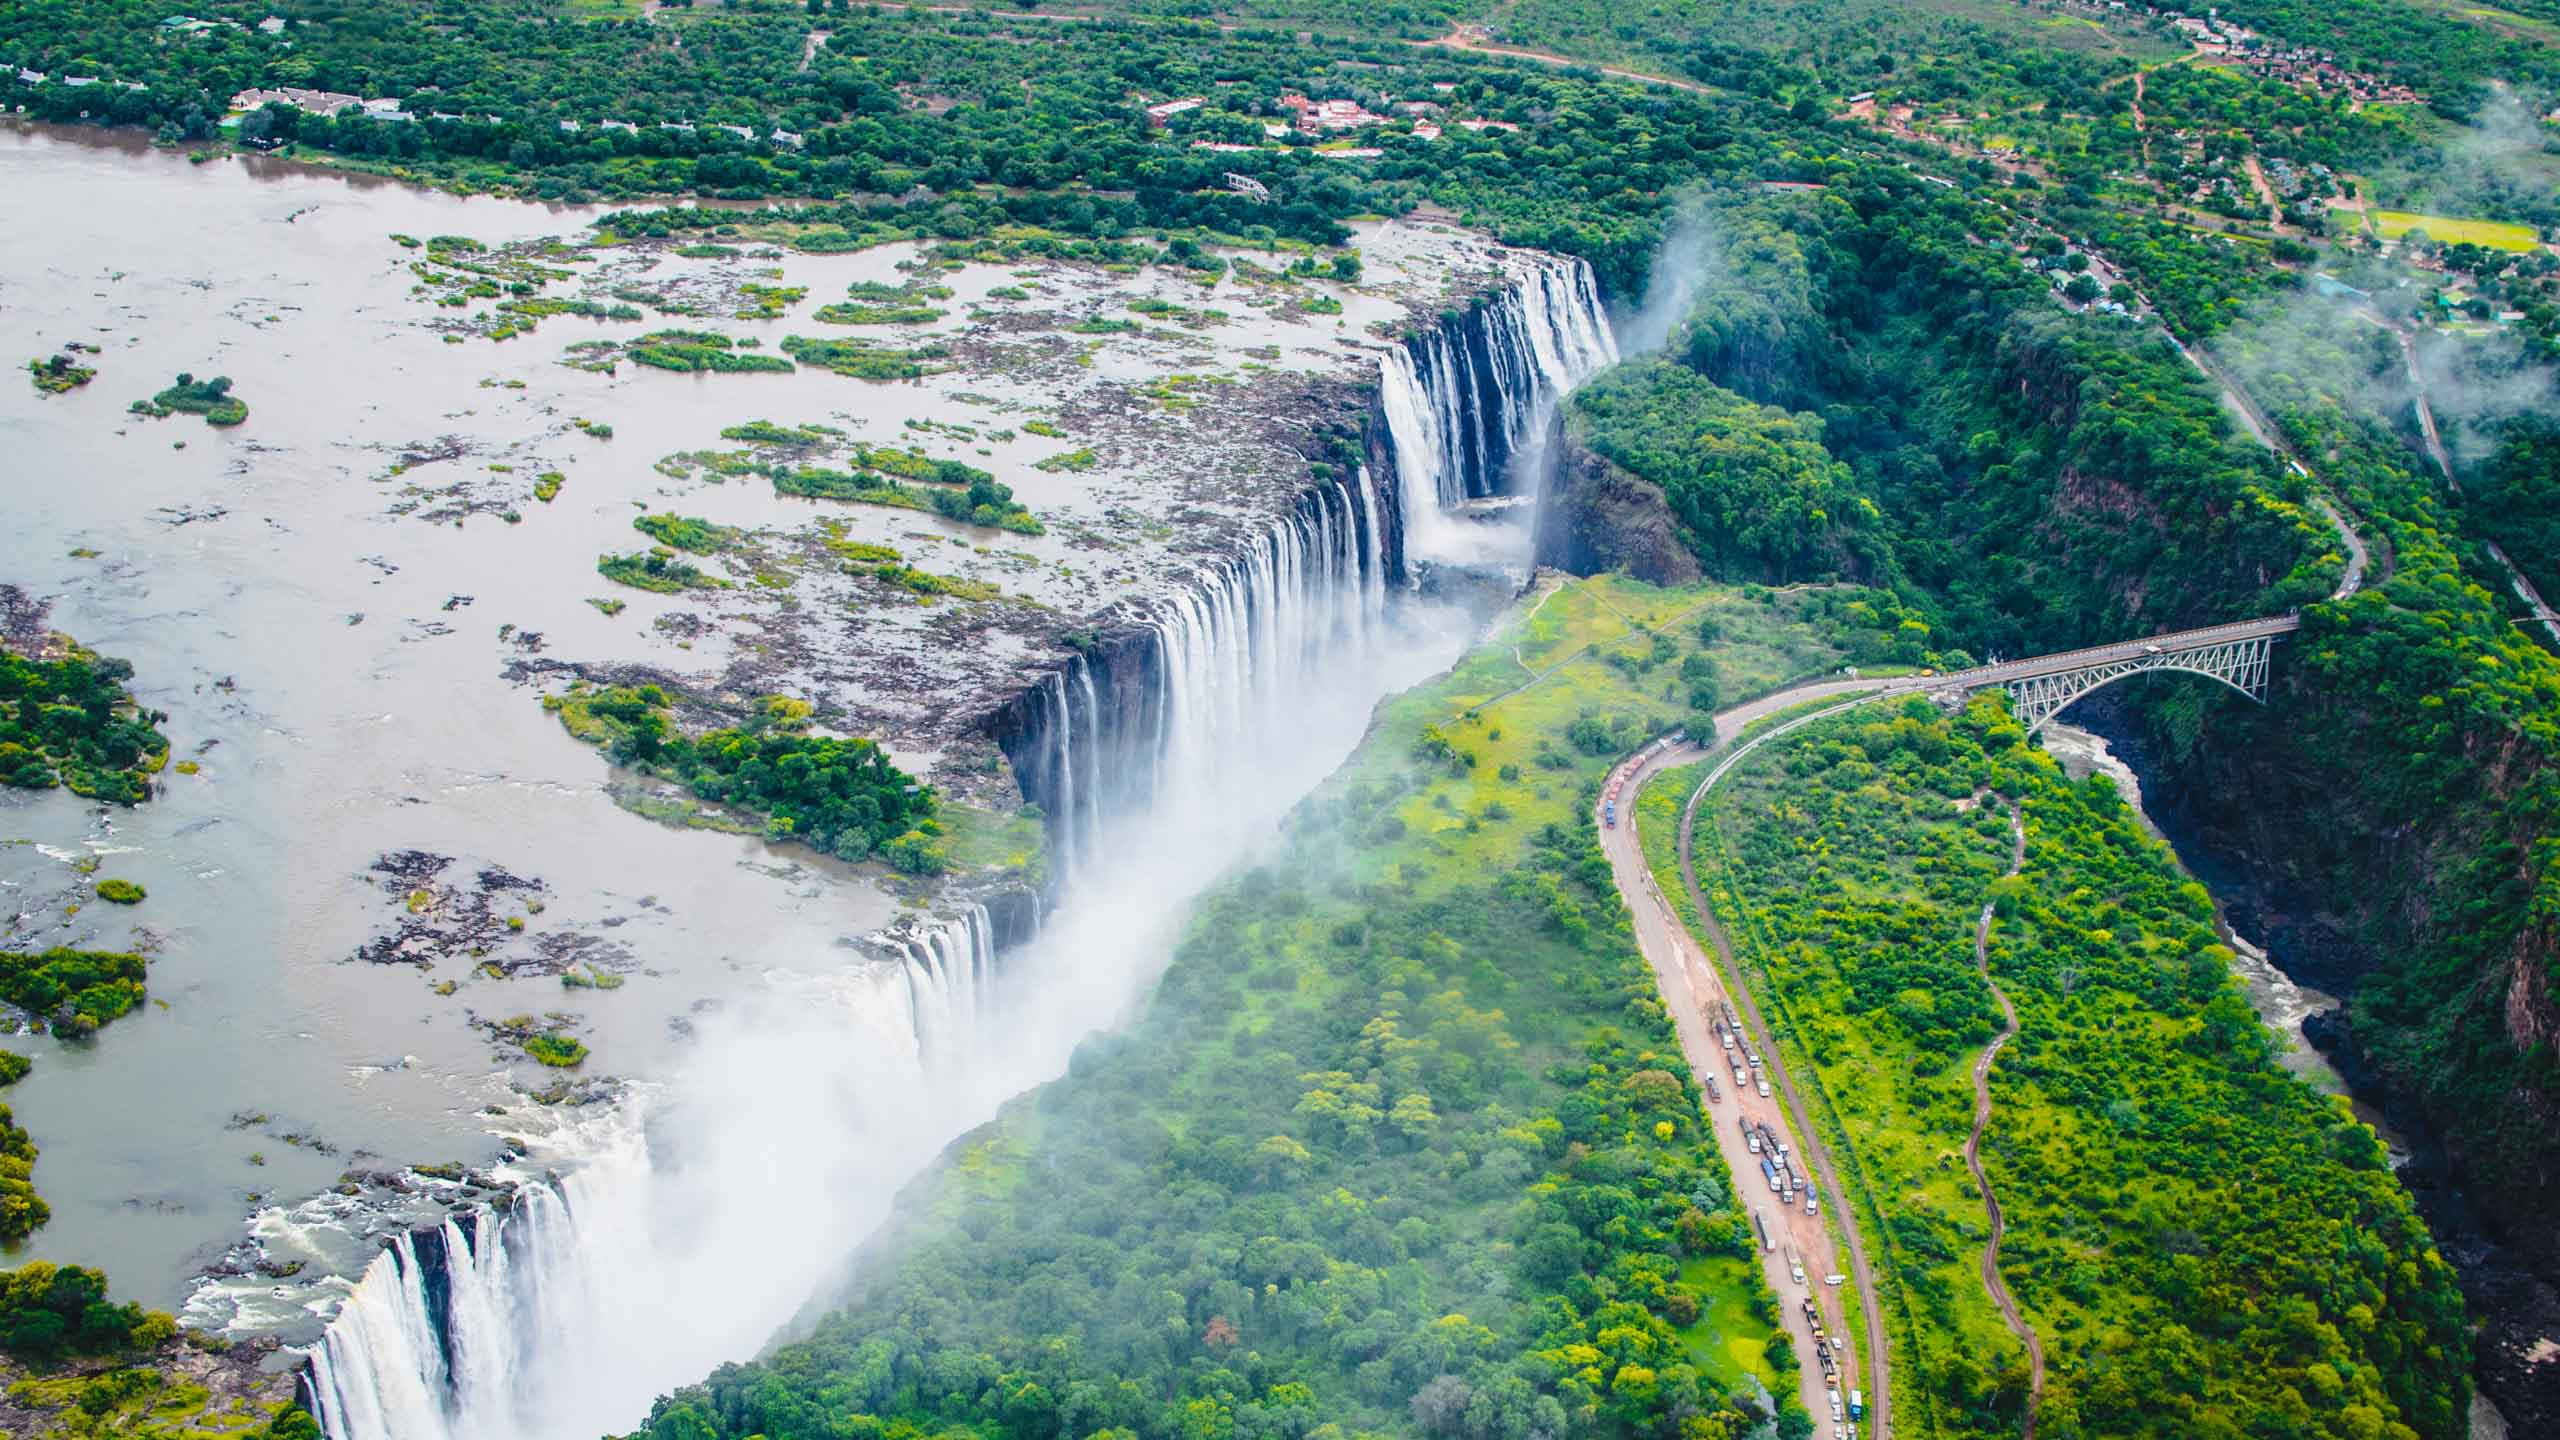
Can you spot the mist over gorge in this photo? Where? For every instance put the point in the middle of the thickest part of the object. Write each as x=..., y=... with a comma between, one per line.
x=799, y=720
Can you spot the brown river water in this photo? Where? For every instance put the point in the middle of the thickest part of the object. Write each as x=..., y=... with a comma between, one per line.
x=337, y=668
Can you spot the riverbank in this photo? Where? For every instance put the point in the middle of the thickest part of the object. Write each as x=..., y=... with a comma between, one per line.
x=349, y=603
x=2309, y=970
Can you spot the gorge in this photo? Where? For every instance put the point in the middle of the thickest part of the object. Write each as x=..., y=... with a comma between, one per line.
x=781, y=1140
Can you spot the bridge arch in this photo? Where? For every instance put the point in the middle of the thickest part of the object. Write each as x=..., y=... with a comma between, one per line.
x=2240, y=663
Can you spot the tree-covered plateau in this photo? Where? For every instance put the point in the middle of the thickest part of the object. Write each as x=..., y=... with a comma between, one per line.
x=2207, y=1246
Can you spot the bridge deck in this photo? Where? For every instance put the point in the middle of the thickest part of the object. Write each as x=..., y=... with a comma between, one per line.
x=2173, y=643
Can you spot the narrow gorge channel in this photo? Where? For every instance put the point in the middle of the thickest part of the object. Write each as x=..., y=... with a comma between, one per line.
x=692, y=1222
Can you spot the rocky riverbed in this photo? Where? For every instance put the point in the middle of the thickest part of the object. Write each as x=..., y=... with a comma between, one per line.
x=352, y=605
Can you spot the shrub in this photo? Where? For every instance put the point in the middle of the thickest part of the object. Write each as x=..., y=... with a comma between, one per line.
x=556, y=1050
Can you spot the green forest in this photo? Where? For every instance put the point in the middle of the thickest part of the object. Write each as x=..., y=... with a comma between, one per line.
x=1402, y=1143
x=68, y=720
x=840, y=796
x=2207, y=1246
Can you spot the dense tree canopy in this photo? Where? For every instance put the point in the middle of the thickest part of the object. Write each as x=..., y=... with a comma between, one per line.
x=840, y=795
x=68, y=721
x=1757, y=495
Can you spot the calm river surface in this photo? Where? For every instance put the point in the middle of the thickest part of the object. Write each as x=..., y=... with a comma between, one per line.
x=335, y=660
x=341, y=702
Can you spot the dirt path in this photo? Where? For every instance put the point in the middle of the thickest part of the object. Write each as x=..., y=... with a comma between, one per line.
x=1459, y=39
x=1723, y=977
x=1991, y=1280
x=2264, y=431
x=1696, y=992
x=2266, y=191
x=2141, y=124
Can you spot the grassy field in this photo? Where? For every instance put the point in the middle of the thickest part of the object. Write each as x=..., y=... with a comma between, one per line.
x=2489, y=234
x=1607, y=650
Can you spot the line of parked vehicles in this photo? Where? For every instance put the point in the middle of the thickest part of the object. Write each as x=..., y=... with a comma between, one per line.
x=1627, y=770
x=1778, y=1166
x=1777, y=1163
x=1741, y=1054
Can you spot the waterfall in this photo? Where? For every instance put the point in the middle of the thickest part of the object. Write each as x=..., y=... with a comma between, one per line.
x=656, y=1237
x=1151, y=710
x=1460, y=401
x=448, y=1333
x=1125, y=725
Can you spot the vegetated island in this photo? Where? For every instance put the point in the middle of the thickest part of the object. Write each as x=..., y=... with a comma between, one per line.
x=73, y=1363
x=57, y=374
x=886, y=475
x=210, y=398
x=66, y=719
x=838, y=795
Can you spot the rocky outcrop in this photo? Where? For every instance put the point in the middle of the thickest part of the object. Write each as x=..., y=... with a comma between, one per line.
x=1598, y=517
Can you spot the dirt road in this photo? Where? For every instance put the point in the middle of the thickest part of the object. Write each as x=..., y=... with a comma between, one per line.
x=1695, y=990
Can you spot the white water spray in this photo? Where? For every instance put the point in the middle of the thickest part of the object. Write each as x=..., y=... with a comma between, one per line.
x=1462, y=402
x=659, y=1237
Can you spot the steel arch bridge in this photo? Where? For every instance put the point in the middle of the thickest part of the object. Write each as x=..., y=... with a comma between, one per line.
x=2041, y=688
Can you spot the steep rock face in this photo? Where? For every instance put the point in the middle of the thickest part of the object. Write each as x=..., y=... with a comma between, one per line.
x=2449, y=1016
x=1598, y=517
x=1438, y=425
x=2451, y=1011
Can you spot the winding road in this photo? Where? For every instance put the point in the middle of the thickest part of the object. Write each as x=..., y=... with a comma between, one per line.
x=1697, y=990
x=2543, y=615
x=1991, y=1280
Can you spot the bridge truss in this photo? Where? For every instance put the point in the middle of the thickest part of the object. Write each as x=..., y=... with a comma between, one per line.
x=2239, y=662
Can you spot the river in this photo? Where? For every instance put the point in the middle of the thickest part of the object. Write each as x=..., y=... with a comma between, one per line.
x=349, y=606
x=2283, y=1005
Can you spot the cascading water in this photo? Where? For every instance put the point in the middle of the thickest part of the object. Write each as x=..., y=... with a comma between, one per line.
x=1461, y=401
x=654, y=1238
x=452, y=1332
x=1128, y=727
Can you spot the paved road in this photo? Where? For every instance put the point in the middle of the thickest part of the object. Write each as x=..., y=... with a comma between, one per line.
x=1695, y=993
x=1982, y=1064
x=2061, y=660
x=1691, y=984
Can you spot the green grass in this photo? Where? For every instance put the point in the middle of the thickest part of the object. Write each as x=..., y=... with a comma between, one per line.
x=1728, y=1341
x=657, y=570
x=2448, y=230
x=1004, y=840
